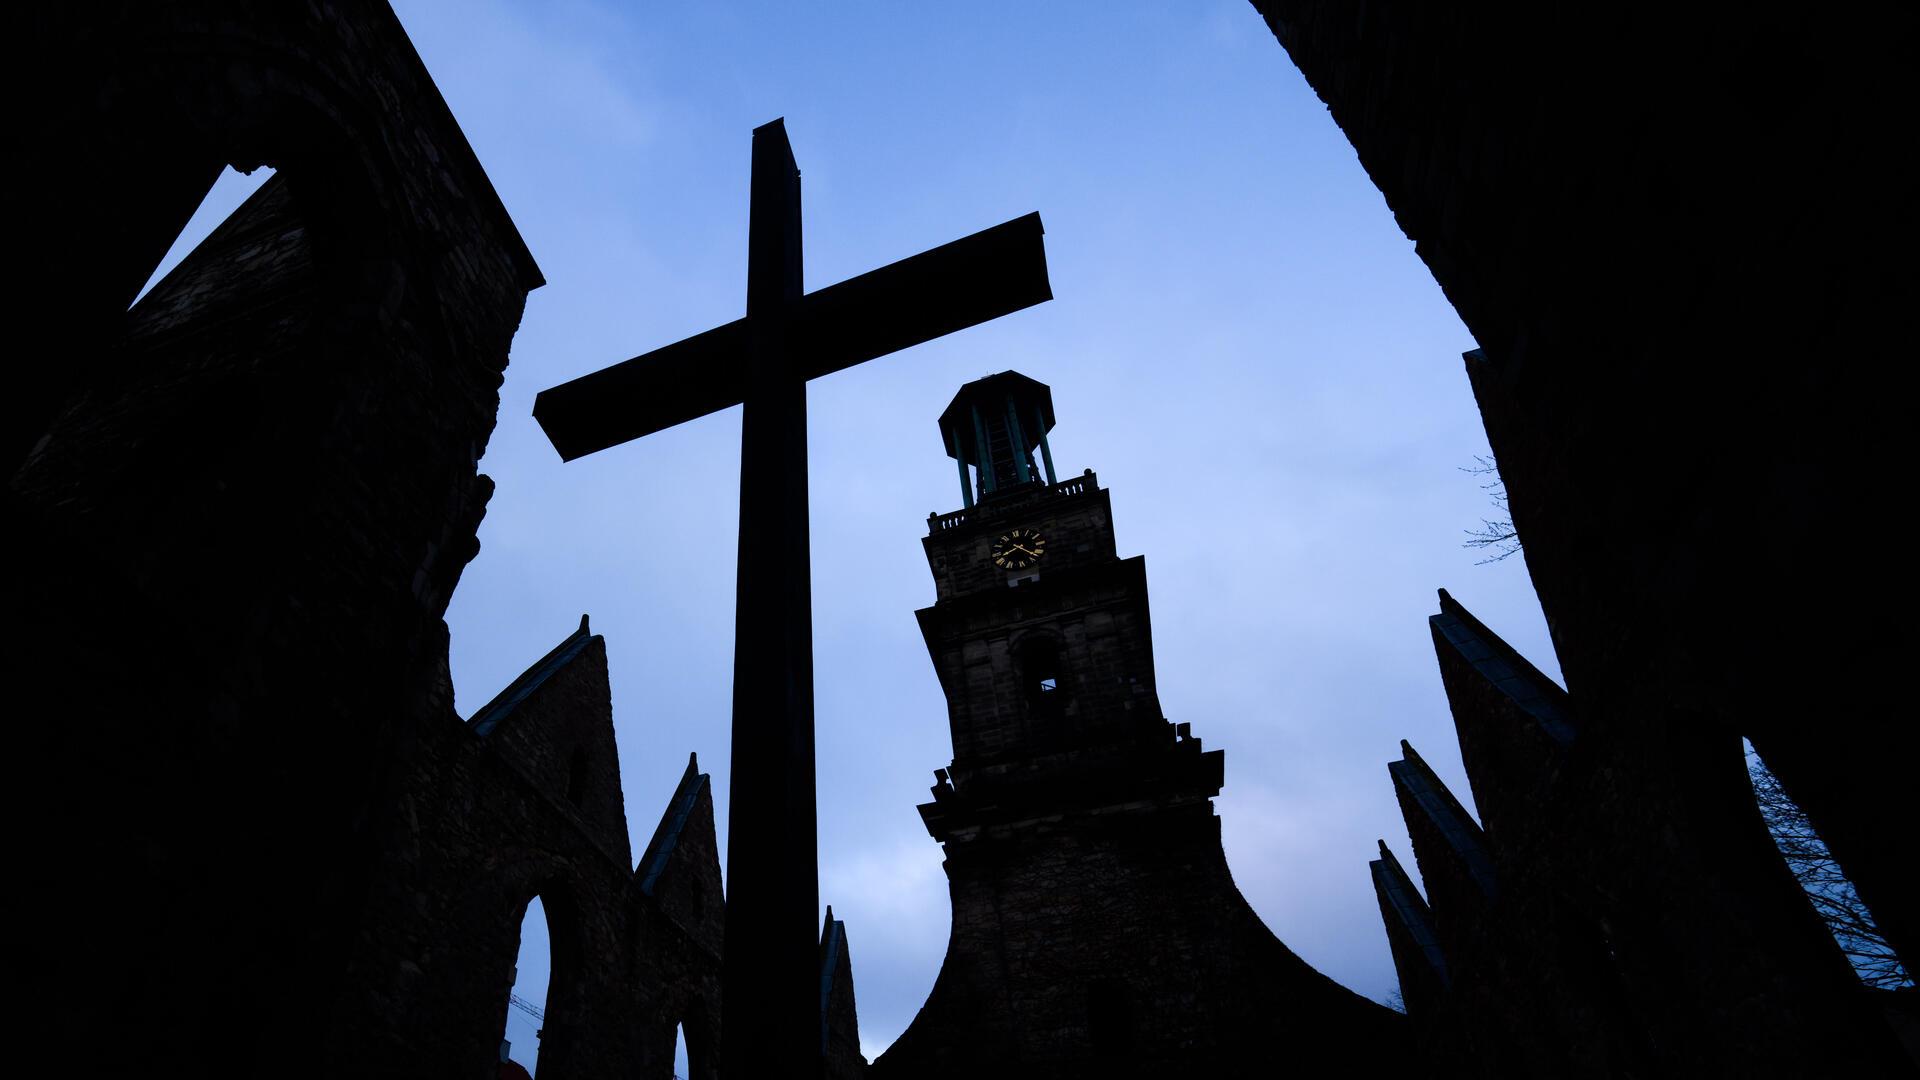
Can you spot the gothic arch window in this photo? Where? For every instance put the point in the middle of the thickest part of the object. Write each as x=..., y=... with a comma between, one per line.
x=694, y=1052
x=527, y=992
x=541, y=987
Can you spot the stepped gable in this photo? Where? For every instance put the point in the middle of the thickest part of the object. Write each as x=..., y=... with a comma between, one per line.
x=1417, y=956
x=1514, y=723
x=839, y=1021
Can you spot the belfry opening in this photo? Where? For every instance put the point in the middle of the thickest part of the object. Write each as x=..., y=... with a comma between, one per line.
x=993, y=427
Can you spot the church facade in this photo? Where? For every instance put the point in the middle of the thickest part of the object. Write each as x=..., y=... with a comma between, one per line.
x=1097, y=930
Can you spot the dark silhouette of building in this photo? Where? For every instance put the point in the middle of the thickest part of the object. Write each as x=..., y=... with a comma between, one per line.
x=1096, y=928
x=524, y=799
x=257, y=837
x=240, y=507
x=1680, y=243
x=1565, y=938
x=840, y=1054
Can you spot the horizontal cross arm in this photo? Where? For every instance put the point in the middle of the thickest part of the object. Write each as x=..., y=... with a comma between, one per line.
x=671, y=385
x=981, y=277
x=972, y=280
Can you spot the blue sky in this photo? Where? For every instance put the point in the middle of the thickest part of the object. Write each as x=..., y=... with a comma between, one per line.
x=1243, y=345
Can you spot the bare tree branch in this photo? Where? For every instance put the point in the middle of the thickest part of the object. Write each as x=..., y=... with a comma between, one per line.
x=1494, y=535
x=1831, y=894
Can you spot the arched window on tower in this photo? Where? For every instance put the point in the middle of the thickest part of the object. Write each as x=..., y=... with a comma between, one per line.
x=1042, y=679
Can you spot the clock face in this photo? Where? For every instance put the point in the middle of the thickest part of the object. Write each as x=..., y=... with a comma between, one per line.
x=1018, y=549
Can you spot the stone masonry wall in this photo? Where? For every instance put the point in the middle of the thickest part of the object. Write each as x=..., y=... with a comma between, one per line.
x=490, y=819
x=1117, y=945
x=243, y=506
x=1096, y=929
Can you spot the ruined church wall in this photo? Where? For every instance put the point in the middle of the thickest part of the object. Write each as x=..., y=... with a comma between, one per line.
x=1677, y=242
x=1673, y=240
x=484, y=824
x=675, y=949
x=252, y=506
x=1642, y=924
x=490, y=819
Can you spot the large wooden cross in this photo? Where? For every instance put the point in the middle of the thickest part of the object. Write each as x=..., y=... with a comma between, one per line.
x=771, y=1009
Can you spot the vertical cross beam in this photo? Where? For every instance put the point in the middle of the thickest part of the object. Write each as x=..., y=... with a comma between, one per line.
x=771, y=1024
x=769, y=1027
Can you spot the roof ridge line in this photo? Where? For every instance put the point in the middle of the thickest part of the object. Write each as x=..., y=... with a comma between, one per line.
x=488, y=716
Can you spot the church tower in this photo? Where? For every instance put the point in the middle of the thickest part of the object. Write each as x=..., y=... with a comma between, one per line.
x=1096, y=928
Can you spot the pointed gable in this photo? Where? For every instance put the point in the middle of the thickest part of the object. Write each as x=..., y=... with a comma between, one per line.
x=1513, y=722
x=679, y=873
x=1502, y=666
x=1417, y=955
x=839, y=1023
x=489, y=715
x=553, y=726
x=666, y=835
x=1447, y=843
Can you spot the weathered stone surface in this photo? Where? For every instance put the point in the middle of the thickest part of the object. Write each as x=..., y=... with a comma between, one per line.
x=251, y=496
x=839, y=1016
x=524, y=800
x=1416, y=947
x=252, y=493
